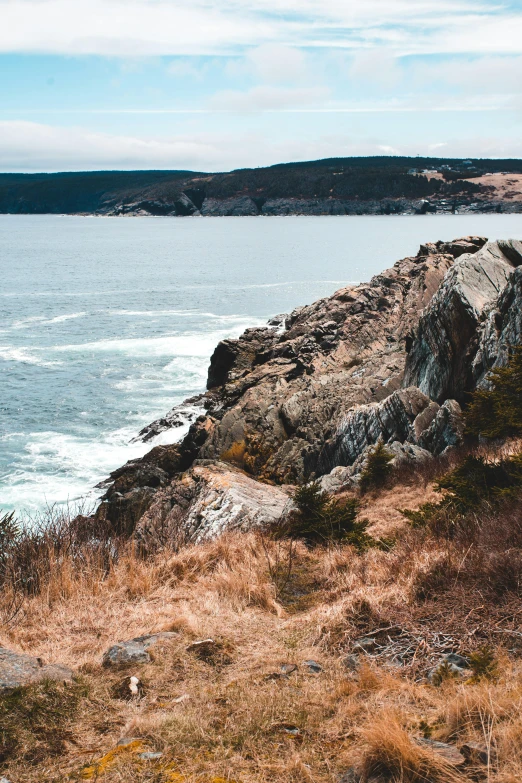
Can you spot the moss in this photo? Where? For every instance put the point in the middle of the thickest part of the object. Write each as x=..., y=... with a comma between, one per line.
x=35, y=721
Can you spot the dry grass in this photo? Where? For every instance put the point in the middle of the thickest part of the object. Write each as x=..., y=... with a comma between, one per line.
x=239, y=720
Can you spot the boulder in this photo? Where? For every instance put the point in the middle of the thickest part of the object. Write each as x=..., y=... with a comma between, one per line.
x=210, y=499
x=134, y=651
x=443, y=345
x=18, y=670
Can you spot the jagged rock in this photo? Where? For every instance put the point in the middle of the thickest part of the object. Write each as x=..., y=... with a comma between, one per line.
x=500, y=331
x=446, y=429
x=445, y=341
x=311, y=393
x=413, y=428
x=210, y=499
x=18, y=670
x=290, y=390
x=134, y=651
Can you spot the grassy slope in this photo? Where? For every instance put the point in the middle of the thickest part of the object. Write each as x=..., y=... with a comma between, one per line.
x=431, y=593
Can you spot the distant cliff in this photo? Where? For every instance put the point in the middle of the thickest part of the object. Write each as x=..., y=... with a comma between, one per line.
x=336, y=186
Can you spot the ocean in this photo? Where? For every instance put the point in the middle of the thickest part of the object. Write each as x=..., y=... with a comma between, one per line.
x=107, y=323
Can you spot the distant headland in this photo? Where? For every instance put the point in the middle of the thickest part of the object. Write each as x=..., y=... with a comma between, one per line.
x=334, y=186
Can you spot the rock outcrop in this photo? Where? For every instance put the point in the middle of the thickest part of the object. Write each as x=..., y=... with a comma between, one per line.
x=18, y=670
x=208, y=500
x=445, y=342
x=309, y=394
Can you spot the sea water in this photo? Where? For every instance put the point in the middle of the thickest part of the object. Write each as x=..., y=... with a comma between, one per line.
x=107, y=323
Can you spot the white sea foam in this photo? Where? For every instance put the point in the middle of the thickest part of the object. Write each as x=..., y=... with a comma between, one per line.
x=25, y=356
x=41, y=320
x=194, y=344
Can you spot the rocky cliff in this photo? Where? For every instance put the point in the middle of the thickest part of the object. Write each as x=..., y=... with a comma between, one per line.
x=306, y=396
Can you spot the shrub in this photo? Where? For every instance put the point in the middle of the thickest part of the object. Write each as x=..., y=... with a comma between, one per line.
x=320, y=519
x=377, y=468
x=497, y=412
x=470, y=485
x=483, y=664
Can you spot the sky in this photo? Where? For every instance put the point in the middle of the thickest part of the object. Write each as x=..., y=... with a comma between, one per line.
x=213, y=85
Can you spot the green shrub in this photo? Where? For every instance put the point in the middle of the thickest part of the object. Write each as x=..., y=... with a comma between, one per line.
x=483, y=664
x=377, y=468
x=320, y=519
x=469, y=486
x=497, y=412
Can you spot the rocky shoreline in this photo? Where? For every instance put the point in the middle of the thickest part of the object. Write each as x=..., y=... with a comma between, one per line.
x=307, y=396
x=246, y=206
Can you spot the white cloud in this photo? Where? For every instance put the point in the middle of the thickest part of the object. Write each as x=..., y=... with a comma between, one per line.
x=378, y=66
x=27, y=146
x=489, y=74
x=275, y=63
x=128, y=28
x=268, y=98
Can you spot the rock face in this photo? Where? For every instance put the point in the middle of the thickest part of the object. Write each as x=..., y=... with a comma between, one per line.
x=309, y=394
x=18, y=670
x=209, y=500
x=445, y=341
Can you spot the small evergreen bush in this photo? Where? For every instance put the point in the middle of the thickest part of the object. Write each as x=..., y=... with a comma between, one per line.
x=497, y=412
x=377, y=468
x=484, y=664
x=468, y=486
x=319, y=519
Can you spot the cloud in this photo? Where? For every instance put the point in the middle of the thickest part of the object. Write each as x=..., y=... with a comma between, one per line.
x=377, y=66
x=129, y=28
x=275, y=63
x=269, y=98
x=27, y=146
x=489, y=74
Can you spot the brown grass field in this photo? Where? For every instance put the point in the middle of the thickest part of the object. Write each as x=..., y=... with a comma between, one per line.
x=232, y=716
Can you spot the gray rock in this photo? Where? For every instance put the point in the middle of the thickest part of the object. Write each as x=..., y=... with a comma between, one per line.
x=313, y=667
x=239, y=206
x=445, y=341
x=476, y=753
x=388, y=421
x=366, y=644
x=150, y=755
x=288, y=668
x=18, y=670
x=351, y=662
x=457, y=660
x=500, y=331
x=134, y=651
x=214, y=498
x=449, y=753
x=445, y=431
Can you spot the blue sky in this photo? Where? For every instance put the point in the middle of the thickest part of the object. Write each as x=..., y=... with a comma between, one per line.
x=210, y=86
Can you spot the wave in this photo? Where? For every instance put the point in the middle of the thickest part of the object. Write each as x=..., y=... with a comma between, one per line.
x=24, y=356
x=196, y=344
x=42, y=320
